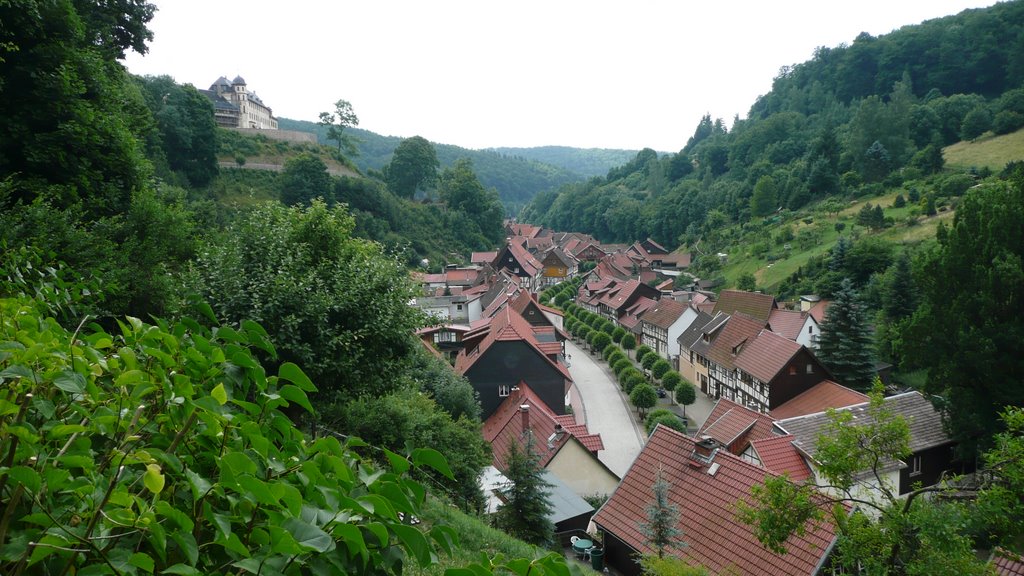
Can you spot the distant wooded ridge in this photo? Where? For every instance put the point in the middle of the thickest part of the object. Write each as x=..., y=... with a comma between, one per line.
x=516, y=173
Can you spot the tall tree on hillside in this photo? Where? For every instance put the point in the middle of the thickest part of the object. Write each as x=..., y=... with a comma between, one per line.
x=969, y=329
x=461, y=190
x=185, y=126
x=67, y=109
x=525, y=513
x=765, y=198
x=845, y=344
x=336, y=122
x=413, y=167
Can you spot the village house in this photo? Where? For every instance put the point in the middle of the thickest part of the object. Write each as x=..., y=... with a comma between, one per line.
x=506, y=350
x=932, y=449
x=518, y=262
x=705, y=484
x=738, y=358
x=565, y=448
x=617, y=300
x=557, y=266
x=662, y=325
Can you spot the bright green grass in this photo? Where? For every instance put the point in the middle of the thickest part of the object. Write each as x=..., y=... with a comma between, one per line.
x=989, y=151
x=770, y=274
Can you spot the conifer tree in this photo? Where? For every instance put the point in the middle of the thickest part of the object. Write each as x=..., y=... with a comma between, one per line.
x=845, y=345
x=662, y=526
x=525, y=513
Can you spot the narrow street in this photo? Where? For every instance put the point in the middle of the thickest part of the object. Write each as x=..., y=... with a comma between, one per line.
x=607, y=410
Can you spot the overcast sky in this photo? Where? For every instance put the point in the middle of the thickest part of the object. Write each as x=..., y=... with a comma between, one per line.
x=478, y=74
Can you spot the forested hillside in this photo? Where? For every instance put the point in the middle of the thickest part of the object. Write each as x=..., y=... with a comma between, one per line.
x=850, y=123
x=517, y=178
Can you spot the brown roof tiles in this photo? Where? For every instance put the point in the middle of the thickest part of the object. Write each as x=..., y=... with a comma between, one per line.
x=706, y=499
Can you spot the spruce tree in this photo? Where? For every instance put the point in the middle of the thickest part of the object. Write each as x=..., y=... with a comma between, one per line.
x=525, y=514
x=845, y=345
x=662, y=526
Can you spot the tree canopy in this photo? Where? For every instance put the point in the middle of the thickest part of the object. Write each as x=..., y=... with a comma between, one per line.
x=969, y=328
x=335, y=304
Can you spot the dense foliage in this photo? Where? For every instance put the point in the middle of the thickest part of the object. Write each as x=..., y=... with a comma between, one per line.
x=334, y=304
x=165, y=449
x=969, y=329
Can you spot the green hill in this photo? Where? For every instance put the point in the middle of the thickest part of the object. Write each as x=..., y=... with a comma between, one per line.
x=516, y=178
x=988, y=151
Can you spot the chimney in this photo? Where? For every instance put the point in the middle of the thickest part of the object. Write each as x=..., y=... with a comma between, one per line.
x=704, y=451
x=524, y=411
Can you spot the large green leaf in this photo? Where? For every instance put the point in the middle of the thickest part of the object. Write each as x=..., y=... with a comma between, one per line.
x=434, y=459
x=308, y=536
x=69, y=381
x=415, y=542
x=295, y=394
x=292, y=373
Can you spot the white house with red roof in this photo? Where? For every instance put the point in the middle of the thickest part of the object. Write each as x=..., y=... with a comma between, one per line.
x=662, y=325
x=565, y=448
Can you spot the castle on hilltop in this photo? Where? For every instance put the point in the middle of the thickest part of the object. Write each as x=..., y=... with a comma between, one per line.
x=235, y=107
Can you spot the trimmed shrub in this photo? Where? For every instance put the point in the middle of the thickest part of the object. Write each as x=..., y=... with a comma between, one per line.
x=643, y=351
x=628, y=342
x=644, y=397
x=660, y=368
x=686, y=393
x=649, y=360
x=601, y=340
x=620, y=365
x=615, y=355
x=618, y=333
x=665, y=418
x=671, y=380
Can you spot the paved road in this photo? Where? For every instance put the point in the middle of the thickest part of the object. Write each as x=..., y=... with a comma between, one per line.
x=607, y=410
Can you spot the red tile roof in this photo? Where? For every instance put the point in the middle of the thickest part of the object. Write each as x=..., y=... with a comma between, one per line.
x=461, y=275
x=505, y=427
x=735, y=426
x=780, y=456
x=740, y=330
x=788, y=323
x=823, y=395
x=766, y=355
x=483, y=257
x=715, y=538
x=755, y=304
x=1007, y=563
x=529, y=264
x=819, y=310
x=664, y=314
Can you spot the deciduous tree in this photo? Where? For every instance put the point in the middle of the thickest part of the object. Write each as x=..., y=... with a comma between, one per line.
x=413, y=167
x=336, y=122
x=969, y=329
